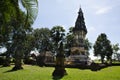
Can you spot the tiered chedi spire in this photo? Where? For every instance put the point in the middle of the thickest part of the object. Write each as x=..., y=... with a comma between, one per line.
x=79, y=30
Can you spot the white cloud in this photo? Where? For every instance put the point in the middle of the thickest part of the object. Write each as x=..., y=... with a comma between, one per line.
x=91, y=29
x=103, y=10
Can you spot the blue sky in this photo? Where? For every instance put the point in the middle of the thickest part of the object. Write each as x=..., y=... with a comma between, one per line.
x=101, y=16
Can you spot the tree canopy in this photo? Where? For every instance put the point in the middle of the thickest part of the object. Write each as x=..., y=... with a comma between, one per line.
x=42, y=39
x=102, y=47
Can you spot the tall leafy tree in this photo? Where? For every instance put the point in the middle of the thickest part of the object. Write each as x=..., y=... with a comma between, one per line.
x=42, y=43
x=109, y=51
x=102, y=47
x=21, y=28
x=7, y=13
x=28, y=45
x=15, y=23
x=42, y=39
x=18, y=39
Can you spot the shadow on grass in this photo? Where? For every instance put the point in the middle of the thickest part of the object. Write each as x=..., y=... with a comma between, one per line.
x=97, y=66
x=12, y=70
x=92, y=67
x=8, y=71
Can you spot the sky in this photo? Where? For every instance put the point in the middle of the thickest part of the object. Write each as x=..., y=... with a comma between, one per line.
x=101, y=16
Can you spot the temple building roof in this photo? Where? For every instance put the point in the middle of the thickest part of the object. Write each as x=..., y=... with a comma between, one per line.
x=80, y=24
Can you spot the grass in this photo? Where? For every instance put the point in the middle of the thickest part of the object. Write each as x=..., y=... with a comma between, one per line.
x=45, y=73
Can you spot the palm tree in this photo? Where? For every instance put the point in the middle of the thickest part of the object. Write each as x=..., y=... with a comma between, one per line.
x=31, y=7
x=57, y=34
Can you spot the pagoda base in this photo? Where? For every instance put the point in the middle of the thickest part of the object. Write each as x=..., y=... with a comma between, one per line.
x=77, y=56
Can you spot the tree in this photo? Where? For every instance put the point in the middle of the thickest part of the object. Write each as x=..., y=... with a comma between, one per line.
x=57, y=34
x=115, y=50
x=88, y=45
x=109, y=51
x=69, y=38
x=15, y=23
x=69, y=41
x=28, y=45
x=30, y=7
x=7, y=13
x=102, y=47
x=42, y=43
x=42, y=39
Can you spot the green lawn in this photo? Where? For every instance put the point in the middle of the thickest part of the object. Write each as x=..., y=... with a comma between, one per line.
x=45, y=73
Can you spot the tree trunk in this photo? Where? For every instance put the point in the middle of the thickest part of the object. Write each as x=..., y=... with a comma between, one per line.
x=18, y=62
x=18, y=65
